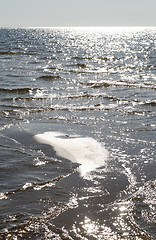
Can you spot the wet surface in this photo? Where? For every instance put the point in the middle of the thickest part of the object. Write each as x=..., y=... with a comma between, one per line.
x=95, y=89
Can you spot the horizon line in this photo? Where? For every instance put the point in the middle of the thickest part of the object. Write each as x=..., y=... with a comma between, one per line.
x=108, y=26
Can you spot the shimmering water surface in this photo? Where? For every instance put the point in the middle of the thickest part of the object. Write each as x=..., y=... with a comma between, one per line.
x=78, y=133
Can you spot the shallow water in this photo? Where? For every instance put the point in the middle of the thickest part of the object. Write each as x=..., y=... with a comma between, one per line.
x=90, y=94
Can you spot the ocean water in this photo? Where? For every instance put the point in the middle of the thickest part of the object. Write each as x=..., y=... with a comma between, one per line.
x=78, y=133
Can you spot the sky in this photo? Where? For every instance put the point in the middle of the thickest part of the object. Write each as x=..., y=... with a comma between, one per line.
x=54, y=13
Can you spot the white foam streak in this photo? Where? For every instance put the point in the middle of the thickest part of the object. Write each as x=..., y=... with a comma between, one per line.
x=82, y=150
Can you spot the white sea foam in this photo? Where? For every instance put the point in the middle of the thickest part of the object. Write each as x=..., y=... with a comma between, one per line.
x=86, y=151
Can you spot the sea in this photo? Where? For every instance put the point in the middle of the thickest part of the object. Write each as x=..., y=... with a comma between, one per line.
x=78, y=133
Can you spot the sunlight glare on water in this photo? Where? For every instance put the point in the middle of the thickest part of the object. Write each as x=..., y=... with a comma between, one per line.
x=77, y=133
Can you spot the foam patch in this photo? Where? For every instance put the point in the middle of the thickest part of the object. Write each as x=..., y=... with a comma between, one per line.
x=85, y=151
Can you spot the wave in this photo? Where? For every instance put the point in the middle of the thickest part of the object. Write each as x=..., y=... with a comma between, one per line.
x=35, y=186
x=97, y=84
x=82, y=58
x=87, y=95
x=71, y=108
x=151, y=103
x=110, y=83
x=78, y=71
x=48, y=58
x=23, y=111
x=49, y=77
x=110, y=58
x=80, y=65
x=16, y=90
x=46, y=96
x=16, y=53
x=11, y=53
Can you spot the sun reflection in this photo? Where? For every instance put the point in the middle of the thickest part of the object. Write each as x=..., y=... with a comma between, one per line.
x=89, y=225
x=118, y=226
x=92, y=229
x=120, y=221
x=122, y=209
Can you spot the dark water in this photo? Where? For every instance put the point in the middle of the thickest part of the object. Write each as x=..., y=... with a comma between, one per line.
x=95, y=83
